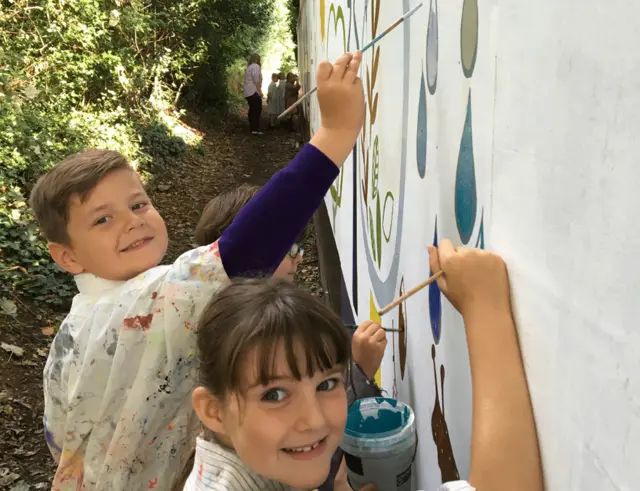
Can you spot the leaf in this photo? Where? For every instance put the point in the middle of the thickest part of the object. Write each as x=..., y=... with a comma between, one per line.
x=10, y=348
x=376, y=168
x=368, y=90
x=8, y=307
x=31, y=92
x=374, y=70
x=48, y=331
x=371, y=235
x=379, y=231
x=374, y=111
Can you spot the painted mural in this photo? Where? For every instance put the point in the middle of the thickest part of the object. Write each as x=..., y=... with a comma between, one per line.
x=383, y=208
x=501, y=127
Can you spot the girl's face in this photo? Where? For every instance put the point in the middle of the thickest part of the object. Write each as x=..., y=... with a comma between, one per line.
x=287, y=268
x=288, y=430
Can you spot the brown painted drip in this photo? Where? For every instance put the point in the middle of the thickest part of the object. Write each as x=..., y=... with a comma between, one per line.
x=446, y=459
x=402, y=335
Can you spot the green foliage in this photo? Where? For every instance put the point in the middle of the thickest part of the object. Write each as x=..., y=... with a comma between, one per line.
x=79, y=73
x=24, y=259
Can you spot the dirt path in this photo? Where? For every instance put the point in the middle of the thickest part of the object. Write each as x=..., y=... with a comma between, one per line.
x=229, y=157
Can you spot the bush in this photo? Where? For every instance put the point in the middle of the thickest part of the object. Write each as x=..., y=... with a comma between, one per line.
x=99, y=74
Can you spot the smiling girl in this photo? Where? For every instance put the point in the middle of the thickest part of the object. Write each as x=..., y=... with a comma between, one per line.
x=272, y=397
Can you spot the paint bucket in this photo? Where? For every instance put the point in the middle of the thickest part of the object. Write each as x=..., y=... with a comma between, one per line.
x=379, y=443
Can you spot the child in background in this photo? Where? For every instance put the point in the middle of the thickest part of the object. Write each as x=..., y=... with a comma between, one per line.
x=282, y=92
x=120, y=370
x=219, y=214
x=272, y=395
x=272, y=101
x=504, y=444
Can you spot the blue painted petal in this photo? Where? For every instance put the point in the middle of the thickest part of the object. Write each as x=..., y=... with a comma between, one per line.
x=480, y=241
x=435, y=299
x=421, y=137
x=432, y=48
x=465, y=190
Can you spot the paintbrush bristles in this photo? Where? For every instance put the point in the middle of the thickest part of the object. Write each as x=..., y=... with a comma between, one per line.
x=410, y=293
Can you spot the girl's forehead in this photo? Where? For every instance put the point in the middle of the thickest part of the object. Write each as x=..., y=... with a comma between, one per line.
x=275, y=363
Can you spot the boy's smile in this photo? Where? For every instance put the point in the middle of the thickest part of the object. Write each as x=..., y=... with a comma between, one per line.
x=115, y=233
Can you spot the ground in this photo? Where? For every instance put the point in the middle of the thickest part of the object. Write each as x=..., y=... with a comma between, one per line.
x=230, y=156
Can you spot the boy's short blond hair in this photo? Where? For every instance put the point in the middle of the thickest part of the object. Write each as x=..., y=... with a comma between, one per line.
x=219, y=213
x=77, y=175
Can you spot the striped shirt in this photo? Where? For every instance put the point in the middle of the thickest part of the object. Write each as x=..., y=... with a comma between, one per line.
x=252, y=79
x=219, y=469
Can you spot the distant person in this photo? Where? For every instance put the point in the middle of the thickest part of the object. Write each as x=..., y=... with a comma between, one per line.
x=282, y=88
x=291, y=97
x=253, y=93
x=272, y=101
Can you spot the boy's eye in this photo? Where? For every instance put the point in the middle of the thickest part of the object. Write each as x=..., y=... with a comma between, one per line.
x=102, y=220
x=138, y=206
x=329, y=384
x=274, y=395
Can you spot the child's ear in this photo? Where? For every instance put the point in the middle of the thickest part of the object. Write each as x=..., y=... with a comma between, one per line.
x=208, y=408
x=65, y=258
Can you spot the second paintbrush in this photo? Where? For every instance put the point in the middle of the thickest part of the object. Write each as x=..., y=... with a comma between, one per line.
x=353, y=327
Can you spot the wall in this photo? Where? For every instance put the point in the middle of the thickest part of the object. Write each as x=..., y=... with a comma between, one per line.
x=511, y=126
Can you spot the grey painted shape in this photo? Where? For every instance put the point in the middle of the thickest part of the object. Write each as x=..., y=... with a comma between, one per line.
x=384, y=290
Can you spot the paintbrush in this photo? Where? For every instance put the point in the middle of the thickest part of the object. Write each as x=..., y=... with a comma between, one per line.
x=365, y=48
x=411, y=292
x=388, y=329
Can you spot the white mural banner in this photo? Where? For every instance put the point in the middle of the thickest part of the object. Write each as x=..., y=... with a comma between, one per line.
x=511, y=127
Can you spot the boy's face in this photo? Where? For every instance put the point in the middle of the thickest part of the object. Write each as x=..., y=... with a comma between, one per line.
x=288, y=430
x=116, y=233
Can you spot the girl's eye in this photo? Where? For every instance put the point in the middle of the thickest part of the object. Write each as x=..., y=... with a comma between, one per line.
x=329, y=384
x=274, y=395
x=139, y=206
x=102, y=220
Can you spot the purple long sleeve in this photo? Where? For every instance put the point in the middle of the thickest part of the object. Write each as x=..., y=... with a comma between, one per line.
x=266, y=228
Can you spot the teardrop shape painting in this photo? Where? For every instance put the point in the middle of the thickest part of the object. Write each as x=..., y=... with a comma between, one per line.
x=469, y=36
x=465, y=187
x=421, y=136
x=432, y=48
x=480, y=241
x=435, y=299
x=402, y=331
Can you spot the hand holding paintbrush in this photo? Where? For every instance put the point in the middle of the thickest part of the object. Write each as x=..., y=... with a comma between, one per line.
x=365, y=48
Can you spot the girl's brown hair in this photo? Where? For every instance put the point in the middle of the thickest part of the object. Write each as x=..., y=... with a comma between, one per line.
x=263, y=315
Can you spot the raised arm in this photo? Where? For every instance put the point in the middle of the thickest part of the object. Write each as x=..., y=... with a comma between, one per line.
x=269, y=224
x=504, y=443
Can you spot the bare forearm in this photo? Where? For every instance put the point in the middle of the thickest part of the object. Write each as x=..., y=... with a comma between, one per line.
x=504, y=444
x=335, y=145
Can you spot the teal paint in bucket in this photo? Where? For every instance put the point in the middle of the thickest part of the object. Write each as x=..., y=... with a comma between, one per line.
x=379, y=443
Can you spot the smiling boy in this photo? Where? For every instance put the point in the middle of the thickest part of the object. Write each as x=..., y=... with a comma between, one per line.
x=120, y=371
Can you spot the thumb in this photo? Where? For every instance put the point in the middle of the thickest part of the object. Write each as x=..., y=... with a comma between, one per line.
x=324, y=71
x=434, y=266
x=369, y=487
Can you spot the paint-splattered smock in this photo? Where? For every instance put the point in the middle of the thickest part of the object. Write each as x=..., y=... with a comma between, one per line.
x=117, y=382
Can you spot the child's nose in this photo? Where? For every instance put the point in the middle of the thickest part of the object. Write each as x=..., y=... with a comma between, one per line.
x=134, y=220
x=311, y=416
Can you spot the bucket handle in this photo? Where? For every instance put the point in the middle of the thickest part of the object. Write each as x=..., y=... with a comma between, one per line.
x=415, y=451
